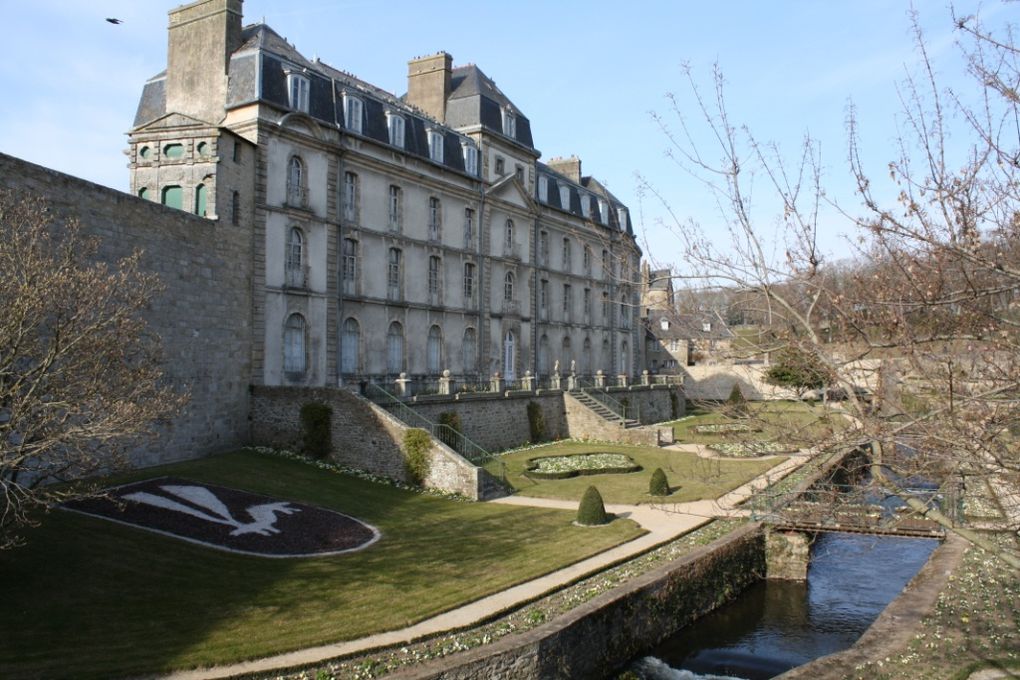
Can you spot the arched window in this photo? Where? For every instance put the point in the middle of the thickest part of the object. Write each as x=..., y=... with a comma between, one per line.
x=297, y=194
x=567, y=354
x=470, y=349
x=172, y=197
x=350, y=341
x=510, y=356
x=294, y=262
x=508, y=287
x=624, y=358
x=200, y=200
x=509, y=237
x=543, y=355
x=586, y=357
x=434, y=351
x=294, y=345
x=395, y=348
x=143, y=193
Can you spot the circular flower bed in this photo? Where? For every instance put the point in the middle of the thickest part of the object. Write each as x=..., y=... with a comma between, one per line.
x=561, y=467
x=750, y=449
x=724, y=428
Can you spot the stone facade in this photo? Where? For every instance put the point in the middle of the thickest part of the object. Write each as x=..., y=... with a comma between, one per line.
x=388, y=234
x=203, y=314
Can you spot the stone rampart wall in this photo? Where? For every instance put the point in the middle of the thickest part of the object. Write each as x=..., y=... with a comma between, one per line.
x=203, y=314
x=593, y=640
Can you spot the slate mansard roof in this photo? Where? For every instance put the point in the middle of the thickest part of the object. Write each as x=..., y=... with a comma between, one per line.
x=258, y=73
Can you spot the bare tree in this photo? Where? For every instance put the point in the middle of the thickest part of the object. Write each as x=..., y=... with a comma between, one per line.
x=80, y=381
x=932, y=294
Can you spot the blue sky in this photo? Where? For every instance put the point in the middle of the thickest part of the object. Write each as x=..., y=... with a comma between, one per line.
x=587, y=74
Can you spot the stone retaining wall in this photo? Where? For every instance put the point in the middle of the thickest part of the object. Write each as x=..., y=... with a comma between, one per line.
x=364, y=436
x=595, y=639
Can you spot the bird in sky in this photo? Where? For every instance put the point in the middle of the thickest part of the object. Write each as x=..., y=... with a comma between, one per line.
x=114, y=21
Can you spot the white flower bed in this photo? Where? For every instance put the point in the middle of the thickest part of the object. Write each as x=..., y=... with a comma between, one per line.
x=724, y=428
x=561, y=467
x=748, y=449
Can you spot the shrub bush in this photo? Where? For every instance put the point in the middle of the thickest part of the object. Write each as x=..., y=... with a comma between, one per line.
x=317, y=437
x=416, y=454
x=536, y=422
x=452, y=420
x=737, y=402
x=592, y=511
x=658, y=485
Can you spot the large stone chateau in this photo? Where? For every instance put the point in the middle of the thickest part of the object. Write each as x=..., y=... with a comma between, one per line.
x=389, y=235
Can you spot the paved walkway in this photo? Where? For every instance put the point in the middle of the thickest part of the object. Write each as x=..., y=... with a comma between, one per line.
x=662, y=522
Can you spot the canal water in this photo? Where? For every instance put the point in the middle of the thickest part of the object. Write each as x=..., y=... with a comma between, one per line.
x=777, y=625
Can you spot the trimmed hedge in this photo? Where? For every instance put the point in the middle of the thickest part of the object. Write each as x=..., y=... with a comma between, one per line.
x=592, y=511
x=658, y=485
x=417, y=444
x=317, y=434
x=536, y=422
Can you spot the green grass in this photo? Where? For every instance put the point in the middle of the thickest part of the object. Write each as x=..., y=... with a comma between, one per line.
x=698, y=478
x=90, y=598
x=788, y=422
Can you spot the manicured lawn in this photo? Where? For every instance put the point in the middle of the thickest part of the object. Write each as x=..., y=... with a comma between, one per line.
x=698, y=478
x=788, y=422
x=90, y=598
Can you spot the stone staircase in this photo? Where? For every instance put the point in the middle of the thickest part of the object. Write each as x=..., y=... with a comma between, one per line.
x=603, y=411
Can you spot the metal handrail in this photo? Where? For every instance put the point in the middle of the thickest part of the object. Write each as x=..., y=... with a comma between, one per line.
x=453, y=438
x=599, y=394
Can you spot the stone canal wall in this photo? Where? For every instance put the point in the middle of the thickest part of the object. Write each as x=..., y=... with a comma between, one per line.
x=594, y=640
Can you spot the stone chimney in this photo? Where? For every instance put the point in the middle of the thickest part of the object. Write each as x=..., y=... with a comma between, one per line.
x=202, y=36
x=569, y=167
x=428, y=84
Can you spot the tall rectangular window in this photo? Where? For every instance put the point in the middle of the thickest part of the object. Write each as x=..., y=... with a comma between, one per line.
x=469, y=228
x=235, y=208
x=543, y=248
x=543, y=188
x=586, y=306
x=350, y=266
x=393, y=274
x=470, y=157
x=435, y=218
x=435, y=278
x=395, y=126
x=469, y=283
x=605, y=264
x=350, y=196
x=568, y=301
x=566, y=255
x=297, y=88
x=605, y=308
x=395, y=208
x=587, y=260
x=436, y=139
x=543, y=300
x=352, y=113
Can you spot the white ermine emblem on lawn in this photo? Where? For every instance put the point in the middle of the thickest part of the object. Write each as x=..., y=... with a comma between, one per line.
x=263, y=515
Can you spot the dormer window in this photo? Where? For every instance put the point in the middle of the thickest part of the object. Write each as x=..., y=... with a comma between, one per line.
x=604, y=212
x=297, y=89
x=470, y=152
x=586, y=205
x=436, y=145
x=509, y=123
x=621, y=215
x=395, y=124
x=353, y=108
x=543, y=188
x=565, y=197
x=664, y=323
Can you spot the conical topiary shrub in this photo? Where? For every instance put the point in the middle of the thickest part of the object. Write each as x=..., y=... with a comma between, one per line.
x=658, y=485
x=592, y=511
